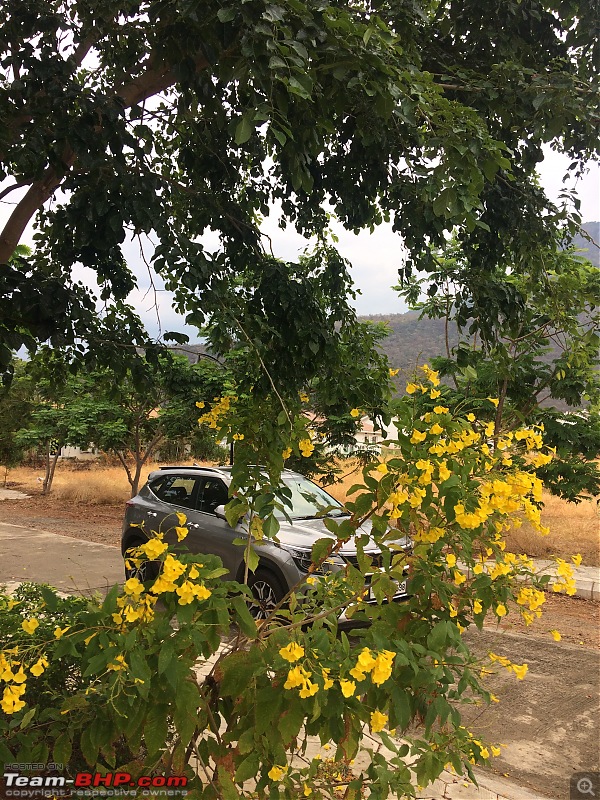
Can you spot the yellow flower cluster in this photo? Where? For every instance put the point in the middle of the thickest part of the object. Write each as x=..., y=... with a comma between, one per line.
x=298, y=677
x=292, y=652
x=520, y=670
x=378, y=721
x=220, y=407
x=379, y=666
x=565, y=581
x=306, y=447
x=13, y=673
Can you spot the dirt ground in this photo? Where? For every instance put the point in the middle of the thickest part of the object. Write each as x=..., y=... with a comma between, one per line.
x=577, y=620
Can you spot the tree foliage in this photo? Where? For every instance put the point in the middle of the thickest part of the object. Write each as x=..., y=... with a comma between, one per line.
x=154, y=118
x=548, y=354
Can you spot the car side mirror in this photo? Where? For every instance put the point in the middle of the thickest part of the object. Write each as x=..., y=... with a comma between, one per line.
x=220, y=512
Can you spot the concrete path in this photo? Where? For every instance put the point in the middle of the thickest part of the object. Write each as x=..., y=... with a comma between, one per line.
x=71, y=565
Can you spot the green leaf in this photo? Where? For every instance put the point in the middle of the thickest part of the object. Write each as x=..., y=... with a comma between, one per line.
x=226, y=14
x=244, y=617
x=228, y=788
x=321, y=549
x=251, y=558
x=248, y=768
x=156, y=729
x=27, y=718
x=49, y=597
x=63, y=747
x=245, y=128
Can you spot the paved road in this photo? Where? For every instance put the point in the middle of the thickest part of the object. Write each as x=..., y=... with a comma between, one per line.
x=68, y=564
x=549, y=720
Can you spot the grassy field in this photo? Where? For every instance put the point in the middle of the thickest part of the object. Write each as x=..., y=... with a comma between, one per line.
x=573, y=528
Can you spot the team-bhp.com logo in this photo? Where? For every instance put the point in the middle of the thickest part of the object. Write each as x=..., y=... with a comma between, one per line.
x=89, y=784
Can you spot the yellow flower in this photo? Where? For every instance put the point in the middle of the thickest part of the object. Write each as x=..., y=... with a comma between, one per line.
x=471, y=417
x=451, y=560
x=393, y=372
x=181, y=533
x=200, y=405
x=306, y=447
x=436, y=429
x=477, y=607
x=501, y=610
x=295, y=678
x=493, y=400
x=520, y=671
x=441, y=410
x=355, y=413
x=443, y=471
x=434, y=394
x=133, y=586
x=378, y=721
x=311, y=580
x=307, y=790
x=327, y=682
x=411, y=388
x=459, y=577
x=357, y=674
x=304, y=398
x=153, y=548
x=383, y=667
x=287, y=453
x=181, y=518
x=118, y=664
x=555, y=635
x=238, y=437
x=292, y=652
x=348, y=688
x=276, y=773
x=417, y=436
x=382, y=468
x=39, y=666
x=58, y=632
x=576, y=559
x=309, y=689
x=29, y=625
x=495, y=750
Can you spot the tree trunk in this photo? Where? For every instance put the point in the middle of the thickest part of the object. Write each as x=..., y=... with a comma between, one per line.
x=51, y=462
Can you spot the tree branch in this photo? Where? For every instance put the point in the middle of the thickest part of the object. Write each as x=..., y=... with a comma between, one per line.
x=156, y=79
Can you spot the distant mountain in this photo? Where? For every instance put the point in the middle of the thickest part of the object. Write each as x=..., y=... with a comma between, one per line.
x=413, y=341
x=592, y=249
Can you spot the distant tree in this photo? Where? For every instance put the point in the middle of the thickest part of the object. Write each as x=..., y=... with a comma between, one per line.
x=131, y=417
x=16, y=404
x=547, y=354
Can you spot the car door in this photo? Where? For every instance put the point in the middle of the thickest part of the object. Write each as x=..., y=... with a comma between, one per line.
x=209, y=533
x=177, y=493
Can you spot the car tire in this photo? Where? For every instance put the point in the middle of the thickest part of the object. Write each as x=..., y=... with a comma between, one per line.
x=267, y=592
x=147, y=571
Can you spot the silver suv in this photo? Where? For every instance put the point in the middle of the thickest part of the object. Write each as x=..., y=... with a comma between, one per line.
x=201, y=493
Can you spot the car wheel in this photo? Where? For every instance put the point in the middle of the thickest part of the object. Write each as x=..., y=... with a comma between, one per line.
x=267, y=593
x=147, y=570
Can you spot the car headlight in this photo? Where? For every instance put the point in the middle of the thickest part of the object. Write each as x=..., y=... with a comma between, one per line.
x=303, y=559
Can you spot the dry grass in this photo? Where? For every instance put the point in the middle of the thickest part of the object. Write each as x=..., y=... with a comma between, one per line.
x=573, y=529
x=96, y=485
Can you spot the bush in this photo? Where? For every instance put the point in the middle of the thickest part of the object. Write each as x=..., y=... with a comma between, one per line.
x=178, y=670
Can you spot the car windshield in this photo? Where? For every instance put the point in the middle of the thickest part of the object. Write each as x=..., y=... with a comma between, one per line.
x=309, y=501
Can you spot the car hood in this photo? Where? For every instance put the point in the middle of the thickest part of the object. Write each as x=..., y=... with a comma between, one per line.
x=304, y=533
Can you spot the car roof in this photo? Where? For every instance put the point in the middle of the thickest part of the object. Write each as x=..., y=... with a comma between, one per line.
x=223, y=470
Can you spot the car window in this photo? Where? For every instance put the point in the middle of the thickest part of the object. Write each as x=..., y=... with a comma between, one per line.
x=179, y=490
x=212, y=493
x=309, y=500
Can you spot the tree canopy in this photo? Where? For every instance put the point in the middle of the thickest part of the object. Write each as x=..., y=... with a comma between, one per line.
x=169, y=120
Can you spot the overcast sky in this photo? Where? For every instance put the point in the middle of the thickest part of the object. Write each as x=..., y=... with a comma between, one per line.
x=375, y=257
